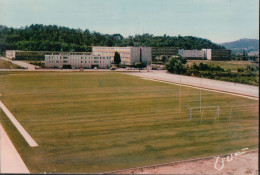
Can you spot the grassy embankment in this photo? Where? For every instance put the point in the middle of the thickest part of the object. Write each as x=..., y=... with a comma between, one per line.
x=8, y=65
x=98, y=122
x=233, y=65
x=244, y=72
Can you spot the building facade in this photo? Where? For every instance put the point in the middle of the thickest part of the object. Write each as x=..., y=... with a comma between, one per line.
x=72, y=60
x=34, y=55
x=128, y=55
x=10, y=54
x=166, y=51
x=192, y=54
x=207, y=54
x=220, y=54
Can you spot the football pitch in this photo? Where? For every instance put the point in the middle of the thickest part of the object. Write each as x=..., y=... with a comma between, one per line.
x=94, y=122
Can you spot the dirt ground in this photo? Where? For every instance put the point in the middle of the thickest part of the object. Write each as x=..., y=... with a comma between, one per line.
x=246, y=163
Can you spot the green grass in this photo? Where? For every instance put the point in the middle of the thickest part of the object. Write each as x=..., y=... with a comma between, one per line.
x=98, y=122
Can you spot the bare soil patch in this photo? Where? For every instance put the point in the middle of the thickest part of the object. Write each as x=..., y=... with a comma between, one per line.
x=243, y=164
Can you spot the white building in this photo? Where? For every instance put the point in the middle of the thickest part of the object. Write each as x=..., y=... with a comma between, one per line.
x=129, y=55
x=208, y=53
x=10, y=54
x=77, y=61
x=192, y=54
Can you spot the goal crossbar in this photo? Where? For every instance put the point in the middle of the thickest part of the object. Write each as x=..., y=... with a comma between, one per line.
x=205, y=107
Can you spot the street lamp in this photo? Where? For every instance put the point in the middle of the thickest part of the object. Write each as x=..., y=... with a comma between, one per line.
x=180, y=99
x=200, y=92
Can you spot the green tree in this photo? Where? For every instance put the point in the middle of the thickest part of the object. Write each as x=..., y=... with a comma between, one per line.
x=244, y=56
x=163, y=58
x=117, y=58
x=176, y=65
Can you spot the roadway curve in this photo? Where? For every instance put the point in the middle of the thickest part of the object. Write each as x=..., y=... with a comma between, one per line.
x=222, y=86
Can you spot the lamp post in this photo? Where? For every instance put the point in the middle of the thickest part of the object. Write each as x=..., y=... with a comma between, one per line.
x=180, y=99
x=200, y=92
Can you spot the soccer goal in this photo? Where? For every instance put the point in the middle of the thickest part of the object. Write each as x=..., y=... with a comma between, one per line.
x=212, y=108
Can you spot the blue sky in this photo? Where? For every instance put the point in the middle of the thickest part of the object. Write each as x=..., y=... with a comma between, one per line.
x=216, y=20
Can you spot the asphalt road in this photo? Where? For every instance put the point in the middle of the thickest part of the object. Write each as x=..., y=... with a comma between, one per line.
x=236, y=88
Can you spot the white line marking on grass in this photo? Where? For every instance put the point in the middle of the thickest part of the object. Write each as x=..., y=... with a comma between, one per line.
x=253, y=98
x=18, y=126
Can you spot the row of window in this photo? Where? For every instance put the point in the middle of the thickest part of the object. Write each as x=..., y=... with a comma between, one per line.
x=66, y=61
x=81, y=58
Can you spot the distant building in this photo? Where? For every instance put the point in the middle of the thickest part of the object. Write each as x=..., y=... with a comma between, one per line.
x=192, y=54
x=69, y=60
x=167, y=51
x=34, y=55
x=220, y=54
x=128, y=55
x=10, y=54
x=208, y=54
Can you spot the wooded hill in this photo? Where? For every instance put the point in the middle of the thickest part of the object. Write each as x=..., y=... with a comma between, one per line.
x=38, y=37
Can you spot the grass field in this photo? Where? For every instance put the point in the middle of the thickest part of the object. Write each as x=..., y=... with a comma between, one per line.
x=98, y=122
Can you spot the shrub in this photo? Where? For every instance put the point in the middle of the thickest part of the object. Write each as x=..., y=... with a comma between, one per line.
x=176, y=65
x=139, y=65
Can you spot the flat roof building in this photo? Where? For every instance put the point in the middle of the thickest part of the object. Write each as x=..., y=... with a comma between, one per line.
x=67, y=60
x=220, y=54
x=192, y=54
x=35, y=55
x=129, y=55
x=209, y=54
x=166, y=51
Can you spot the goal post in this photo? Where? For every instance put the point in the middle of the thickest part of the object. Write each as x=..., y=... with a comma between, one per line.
x=198, y=107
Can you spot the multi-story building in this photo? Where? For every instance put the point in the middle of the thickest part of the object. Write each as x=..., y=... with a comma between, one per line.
x=10, y=53
x=220, y=54
x=209, y=54
x=166, y=51
x=192, y=54
x=34, y=55
x=71, y=60
x=128, y=55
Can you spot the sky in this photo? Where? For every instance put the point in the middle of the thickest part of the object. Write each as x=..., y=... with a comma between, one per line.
x=217, y=20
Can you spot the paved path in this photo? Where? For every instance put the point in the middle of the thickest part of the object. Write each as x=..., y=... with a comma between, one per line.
x=19, y=127
x=20, y=63
x=236, y=88
x=11, y=161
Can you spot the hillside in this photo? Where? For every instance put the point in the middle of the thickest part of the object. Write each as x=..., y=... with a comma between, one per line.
x=246, y=44
x=58, y=38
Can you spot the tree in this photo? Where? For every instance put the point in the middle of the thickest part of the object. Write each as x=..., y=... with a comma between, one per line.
x=244, y=56
x=117, y=58
x=163, y=58
x=176, y=65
